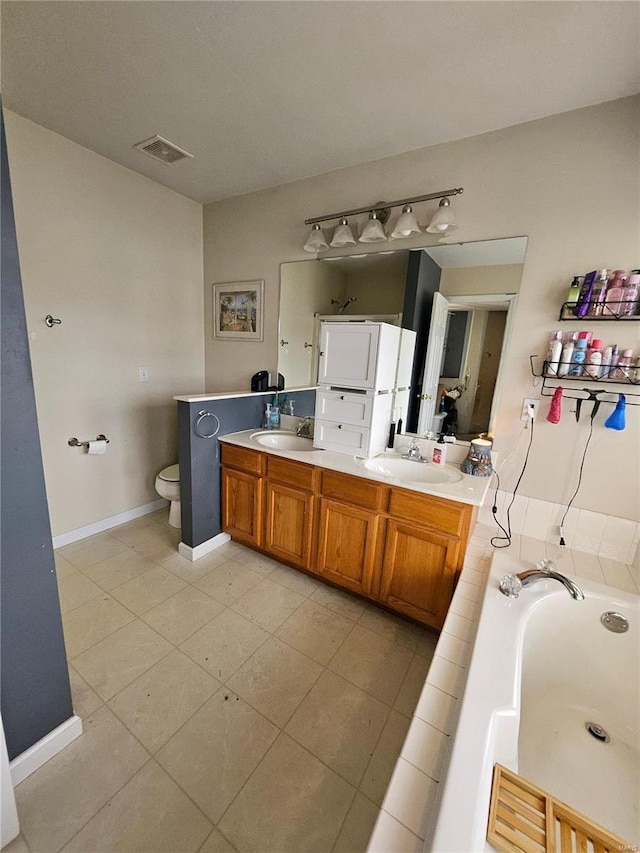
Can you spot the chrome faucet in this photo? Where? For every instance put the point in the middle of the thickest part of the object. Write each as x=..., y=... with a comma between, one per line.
x=413, y=452
x=510, y=585
x=303, y=429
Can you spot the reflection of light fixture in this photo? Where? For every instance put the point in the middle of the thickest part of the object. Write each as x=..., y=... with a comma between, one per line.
x=372, y=232
x=478, y=461
x=315, y=240
x=444, y=219
x=343, y=236
x=407, y=223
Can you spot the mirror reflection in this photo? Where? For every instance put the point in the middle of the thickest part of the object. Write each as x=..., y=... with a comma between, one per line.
x=457, y=363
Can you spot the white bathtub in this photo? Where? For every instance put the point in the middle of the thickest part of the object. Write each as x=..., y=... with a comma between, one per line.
x=542, y=666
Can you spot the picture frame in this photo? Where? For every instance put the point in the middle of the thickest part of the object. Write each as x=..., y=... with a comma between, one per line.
x=238, y=310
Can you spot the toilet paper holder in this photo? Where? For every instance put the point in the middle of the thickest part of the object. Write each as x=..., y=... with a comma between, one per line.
x=73, y=442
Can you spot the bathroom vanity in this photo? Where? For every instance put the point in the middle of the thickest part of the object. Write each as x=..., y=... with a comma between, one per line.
x=400, y=545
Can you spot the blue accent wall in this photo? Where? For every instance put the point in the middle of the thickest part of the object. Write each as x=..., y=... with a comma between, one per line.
x=36, y=696
x=199, y=458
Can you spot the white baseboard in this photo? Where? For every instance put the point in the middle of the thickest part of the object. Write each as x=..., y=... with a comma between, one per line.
x=106, y=523
x=48, y=746
x=194, y=554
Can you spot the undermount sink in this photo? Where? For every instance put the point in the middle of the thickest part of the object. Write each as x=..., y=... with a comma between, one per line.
x=412, y=472
x=282, y=440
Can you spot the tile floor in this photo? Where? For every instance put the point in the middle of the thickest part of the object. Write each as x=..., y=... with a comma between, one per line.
x=227, y=704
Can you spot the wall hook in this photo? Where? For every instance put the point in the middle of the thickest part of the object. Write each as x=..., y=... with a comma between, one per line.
x=51, y=321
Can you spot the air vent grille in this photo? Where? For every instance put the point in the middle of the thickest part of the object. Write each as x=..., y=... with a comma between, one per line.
x=161, y=149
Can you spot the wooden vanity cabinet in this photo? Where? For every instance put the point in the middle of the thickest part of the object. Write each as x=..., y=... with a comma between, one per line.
x=242, y=494
x=289, y=509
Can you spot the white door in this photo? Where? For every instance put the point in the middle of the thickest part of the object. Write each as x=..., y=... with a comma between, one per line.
x=348, y=354
x=432, y=362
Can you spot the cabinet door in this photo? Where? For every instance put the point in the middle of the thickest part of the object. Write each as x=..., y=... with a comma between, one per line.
x=347, y=545
x=419, y=572
x=348, y=354
x=242, y=506
x=288, y=524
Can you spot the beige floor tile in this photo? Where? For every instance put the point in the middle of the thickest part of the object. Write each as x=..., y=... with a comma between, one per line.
x=339, y=724
x=149, y=814
x=92, y=550
x=227, y=581
x=349, y=606
x=372, y=662
x=268, y=604
x=119, y=569
x=135, y=532
x=224, y=644
x=392, y=627
x=299, y=582
x=292, y=803
x=315, y=631
x=191, y=570
x=85, y=700
x=146, y=591
x=18, y=845
x=254, y=560
x=275, y=680
x=217, y=843
x=92, y=622
x=426, y=648
x=407, y=698
x=76, y=589
x=378, y=773
x=357, y=827
x=215, y=752
x=155, y=705
x=183, y=614
x=56, y=801
x=162, y=545
x=63, y=567
x=112, y=664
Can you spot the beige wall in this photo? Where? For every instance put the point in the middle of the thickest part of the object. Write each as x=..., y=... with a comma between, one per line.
x=379, y=290
x=118, y=259
x=471, y=281
x=569, y=183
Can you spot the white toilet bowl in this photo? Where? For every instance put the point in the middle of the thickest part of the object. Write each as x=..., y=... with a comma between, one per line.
x=168, y=487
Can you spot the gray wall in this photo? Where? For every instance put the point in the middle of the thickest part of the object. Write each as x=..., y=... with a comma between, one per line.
x=36, y=696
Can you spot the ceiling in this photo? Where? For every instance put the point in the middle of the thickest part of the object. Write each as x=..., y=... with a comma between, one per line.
x=262, y=93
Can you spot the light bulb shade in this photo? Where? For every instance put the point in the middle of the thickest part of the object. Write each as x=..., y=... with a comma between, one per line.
x=478, y=461
x=343, y=236
x=444, y=219
x=407, y=224
x=315, y=240
x=373, y=232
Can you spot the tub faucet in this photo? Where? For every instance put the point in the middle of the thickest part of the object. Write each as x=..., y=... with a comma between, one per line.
x=510, y=585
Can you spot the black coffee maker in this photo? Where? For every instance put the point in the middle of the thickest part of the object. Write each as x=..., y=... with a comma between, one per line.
x=260, y=382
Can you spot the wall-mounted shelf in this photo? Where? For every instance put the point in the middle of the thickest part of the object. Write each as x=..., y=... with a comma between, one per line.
x=606, y=388
x=607, y=312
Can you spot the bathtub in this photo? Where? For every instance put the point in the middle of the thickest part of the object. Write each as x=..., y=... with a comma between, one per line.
x=542, y=666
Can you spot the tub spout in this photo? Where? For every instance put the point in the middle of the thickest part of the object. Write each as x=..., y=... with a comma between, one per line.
x=545, y=570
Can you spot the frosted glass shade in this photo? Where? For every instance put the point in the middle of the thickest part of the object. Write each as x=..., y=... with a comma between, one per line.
x=444, y=219
x=315, y=241
x=407, y=223
x=343, y=236
x=373, y=232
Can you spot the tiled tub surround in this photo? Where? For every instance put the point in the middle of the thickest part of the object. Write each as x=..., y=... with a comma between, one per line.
x=409, y=812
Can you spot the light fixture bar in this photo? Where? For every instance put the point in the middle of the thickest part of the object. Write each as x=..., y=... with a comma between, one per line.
x=384, y=204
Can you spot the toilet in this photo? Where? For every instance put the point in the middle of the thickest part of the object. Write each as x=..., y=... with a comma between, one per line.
x=168, y=487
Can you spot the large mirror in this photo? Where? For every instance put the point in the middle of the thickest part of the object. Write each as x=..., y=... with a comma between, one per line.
x=462, y=332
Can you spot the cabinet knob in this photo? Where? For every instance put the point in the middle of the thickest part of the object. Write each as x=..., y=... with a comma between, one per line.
x=321, y=353
x=343, y=397
x=424, y=397
x=339, y=426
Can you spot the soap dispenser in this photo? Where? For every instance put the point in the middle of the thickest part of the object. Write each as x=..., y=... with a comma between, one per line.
x=266, y=423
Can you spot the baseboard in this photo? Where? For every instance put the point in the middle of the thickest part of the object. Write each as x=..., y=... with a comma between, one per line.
x=106, y=523
x=48, y=746
x=194, y=554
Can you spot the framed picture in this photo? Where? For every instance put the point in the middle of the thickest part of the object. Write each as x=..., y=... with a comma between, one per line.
x=238, y=313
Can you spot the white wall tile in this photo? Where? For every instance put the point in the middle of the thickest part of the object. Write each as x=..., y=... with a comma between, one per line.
x=588, y=566
x=426, y=748
x=537, y=519
x=467, y=590
x=589, y=530
x=446, y=676
x=454, y=649
x=390, y=834
x=617, y=574
x=437, y=708
x=617, y=538
x=464, y=607
x=460, y=626
x=408, y=796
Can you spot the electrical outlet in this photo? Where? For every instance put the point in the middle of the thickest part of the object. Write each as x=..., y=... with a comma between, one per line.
x=528, y=406
x=143, y=374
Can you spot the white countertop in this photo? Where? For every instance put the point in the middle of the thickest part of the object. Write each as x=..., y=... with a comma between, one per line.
x=468, y=490
x=230, y=395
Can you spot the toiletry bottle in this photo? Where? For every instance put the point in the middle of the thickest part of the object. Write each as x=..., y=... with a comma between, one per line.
x=606, y=362
x=579, y=356
x=554, y=353
x=574, y=290
x=631, y=294
x=274, y=416
x=584, y=298
x=634, y=375
x=594, y=358
x=623, y=371
x=266, y=423
x=392, y=435
x=567, y=354
x=614, y=300
x=598, y=294
x=439, y=453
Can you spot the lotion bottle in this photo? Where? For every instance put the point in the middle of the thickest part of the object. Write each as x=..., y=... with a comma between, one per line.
x=567, y=355
x=594, y=359
x=439, y=453
x=554, y=354
x=579, y=356
x=631, y=293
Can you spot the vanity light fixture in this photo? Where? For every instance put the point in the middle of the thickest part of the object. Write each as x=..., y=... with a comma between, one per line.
x=373, y=232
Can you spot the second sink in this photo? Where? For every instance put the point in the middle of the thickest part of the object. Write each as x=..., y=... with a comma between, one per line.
x=412, y=472
x=281, y=440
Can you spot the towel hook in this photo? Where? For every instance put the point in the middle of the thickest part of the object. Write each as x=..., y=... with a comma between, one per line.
x=51, y=321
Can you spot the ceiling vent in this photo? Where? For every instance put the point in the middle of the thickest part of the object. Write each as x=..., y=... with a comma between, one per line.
x=161, y=149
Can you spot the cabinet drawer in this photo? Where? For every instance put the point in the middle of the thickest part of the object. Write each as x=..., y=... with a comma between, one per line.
x=344, y=408
x=354, y=490
x=441, y=515
x=251, y=461
x=342, y=437
x=295, y=474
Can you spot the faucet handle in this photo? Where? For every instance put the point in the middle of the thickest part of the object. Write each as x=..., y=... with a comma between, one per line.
x=546, y=566
x=510, y=585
